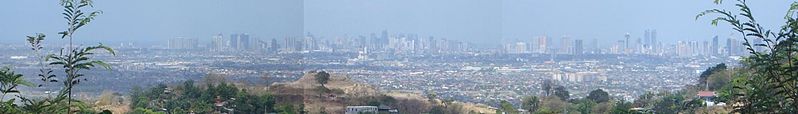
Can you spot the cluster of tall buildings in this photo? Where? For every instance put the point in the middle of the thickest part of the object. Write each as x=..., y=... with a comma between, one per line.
x=382, y=42
x=648, y=45
x=242, y=41
x=732, y=47
x=629, y=45
x=545, y=45
x=183, y=43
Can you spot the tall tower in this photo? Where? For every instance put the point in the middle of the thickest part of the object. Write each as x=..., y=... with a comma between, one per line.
x=647, y=38
x=543, y=44
x=654, y=43
x=233, y=42
x=218, y=42
x=578, y=47
x=626, y=43
x=567, y=45
x=245, y=42
x=713, y=50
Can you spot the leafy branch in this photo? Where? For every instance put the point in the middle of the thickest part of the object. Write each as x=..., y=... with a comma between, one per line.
x=772, y=84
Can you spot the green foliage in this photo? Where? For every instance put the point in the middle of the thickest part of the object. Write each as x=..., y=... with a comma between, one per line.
x=431, y=96
x=599, y=96
x=530, y=103
x=703, y=78
x=645, y=100
x=189, y=98
x=562, y=93
x=547, y=87
x=508, y=108
x=585, y=106
x=72, y=61
x=9, y=81
x=145, y=111
x=621, y=107
x=669, y=104
x=288, y=109
x=553, y=104
x=437, y=110
x=322, y=78
x=772, y=85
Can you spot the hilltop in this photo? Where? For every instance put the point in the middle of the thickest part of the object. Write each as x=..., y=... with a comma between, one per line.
x=344, y=92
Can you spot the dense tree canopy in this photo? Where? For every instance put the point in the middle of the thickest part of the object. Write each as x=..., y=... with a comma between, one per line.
x=322, y=77
x=598, y=96
x=189, y=98
x=562, y=93
x=530, y=103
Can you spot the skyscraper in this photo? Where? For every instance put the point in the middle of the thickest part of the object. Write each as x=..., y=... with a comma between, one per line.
x=183, y=43
x=647, y=38
x=245, y=42
x=566, y=46
x=729, y=47
x=713, y=50
x=594, y=46
x=233, y=42
x=218, y=42
x=578, y=47
x=654, y=43
x=543, y=43
x=626, y=48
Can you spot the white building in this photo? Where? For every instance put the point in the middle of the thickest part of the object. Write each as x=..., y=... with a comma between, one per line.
x=361, y=109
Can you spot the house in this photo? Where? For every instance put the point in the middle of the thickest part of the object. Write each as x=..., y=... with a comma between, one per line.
x=383, y=109
x=708, y=97
x=361, y=109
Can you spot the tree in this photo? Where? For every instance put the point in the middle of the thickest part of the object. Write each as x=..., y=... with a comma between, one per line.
x=507, y=107
x=322, y=78
x=530, y=103
x=585, y=106
x=552, y=105
x=547, y=86
x=599, y=96
x=72, y=60
x=437, y=110
x=621, y=107
x=431, y=96
x=669, y=104
x=562, y=93
x=76, y=59
x=9, y=81
x=711, y=70
x=772, y=85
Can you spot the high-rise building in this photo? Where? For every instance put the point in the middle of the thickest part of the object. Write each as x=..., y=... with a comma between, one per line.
x=183, y=43
x=683, y=49
x=244, y=42
x=543, y=44
x=626, y=47
x=654, y=43
x=566, y=46
x=594, y=47
x=713, y=50
x=578, y=47
x=516, y=48
x=233, y=42
x=706, y=48
x=218, y=42
x=729, y=47
x=647, y=38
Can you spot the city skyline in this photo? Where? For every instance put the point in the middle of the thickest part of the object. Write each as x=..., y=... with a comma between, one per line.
x=472, y=21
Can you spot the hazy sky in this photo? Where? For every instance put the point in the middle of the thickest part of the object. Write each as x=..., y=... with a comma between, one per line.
x=479, y=21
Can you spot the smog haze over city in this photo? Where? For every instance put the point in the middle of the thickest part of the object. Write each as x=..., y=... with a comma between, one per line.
x=349, y=56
